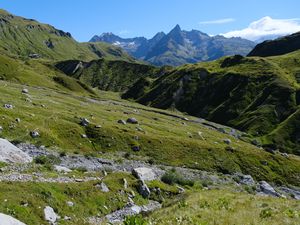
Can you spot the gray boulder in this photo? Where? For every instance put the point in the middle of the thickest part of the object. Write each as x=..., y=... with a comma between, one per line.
x=267, y=189
x=122, y=122
x=245, y=179
x=103, y=187
x=293, y=193
x=34, y=134
x=227, y=141
x=8, y=220
x=132, y=120
x=50, y=215
x=143, y=173
x=143, y=189
x=8, y=106
x=84, y=122
x=11, y=154
x=62, y=169
x=25, y=91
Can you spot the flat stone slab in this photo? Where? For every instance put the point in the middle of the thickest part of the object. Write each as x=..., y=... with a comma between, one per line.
x=11, y=154
x=8, y=220
x=144, y=173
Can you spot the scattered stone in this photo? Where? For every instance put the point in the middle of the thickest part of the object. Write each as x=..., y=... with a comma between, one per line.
x=25, y=91
x=67, y=218
x=8, y=220
x=125, y=183
x=267, y=189
x=245, y=179
x=83, y=135
x=132, y=120
x=144, y=173
x=8, y=106
x=180, y=189
x=284, y=155
x=129, y=210
x=62, y=169
x=136, y=148
x=50, y=215
x=98, y=126
x=70, y=204
x=34, y=134
x=11, y=154
x=143, y=189
x=201, y=135
x=1, y=128
x=84, y=122
x=103, y=187
x=227, y=141
x=122, y=122
x=293, y=193
x=185, y=119
x=18, y=120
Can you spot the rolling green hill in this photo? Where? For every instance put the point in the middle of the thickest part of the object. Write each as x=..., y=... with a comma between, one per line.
x=109, y=75
x=256, y=95
x=26, y=37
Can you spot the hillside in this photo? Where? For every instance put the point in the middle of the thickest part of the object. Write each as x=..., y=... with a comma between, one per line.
x=28, y=38
x=278, y=46
x=256, y=95
x=178, y=46
x=109, y=75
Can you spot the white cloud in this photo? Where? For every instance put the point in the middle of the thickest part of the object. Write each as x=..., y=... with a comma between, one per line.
x=220, y=21
x=267, y=28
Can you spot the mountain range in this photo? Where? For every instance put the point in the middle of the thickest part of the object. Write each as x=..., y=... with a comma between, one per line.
x=178, y=46
x=90, y=135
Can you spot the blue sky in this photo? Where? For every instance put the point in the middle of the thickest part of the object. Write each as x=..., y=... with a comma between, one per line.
x=129, y=18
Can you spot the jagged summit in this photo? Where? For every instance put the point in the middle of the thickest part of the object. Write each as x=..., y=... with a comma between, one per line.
x=163, y=49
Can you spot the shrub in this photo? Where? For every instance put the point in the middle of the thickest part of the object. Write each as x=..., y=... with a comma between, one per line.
x=172, y=177
x=134, y=220
x=47, y=159
x=62, y=154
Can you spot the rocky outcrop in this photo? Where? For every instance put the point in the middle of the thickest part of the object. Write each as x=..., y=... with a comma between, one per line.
x=266, y=189
x=144, y=173
x=8, y=220
x=11, y=154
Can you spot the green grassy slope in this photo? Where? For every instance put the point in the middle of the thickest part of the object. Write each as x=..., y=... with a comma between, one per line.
x=226, y=207
x=256, y=95
x=87, y=198
x=161, y=138
x=112, y=75
x=22, y=37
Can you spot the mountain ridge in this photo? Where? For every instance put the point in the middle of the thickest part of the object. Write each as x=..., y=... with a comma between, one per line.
x=178, y=46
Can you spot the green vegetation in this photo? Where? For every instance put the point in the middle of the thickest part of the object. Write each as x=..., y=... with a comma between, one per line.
x=256, y=95
x=108, y=75
x=220, y=207
x=162, y=138
x=46, y=41
x=26, y=201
